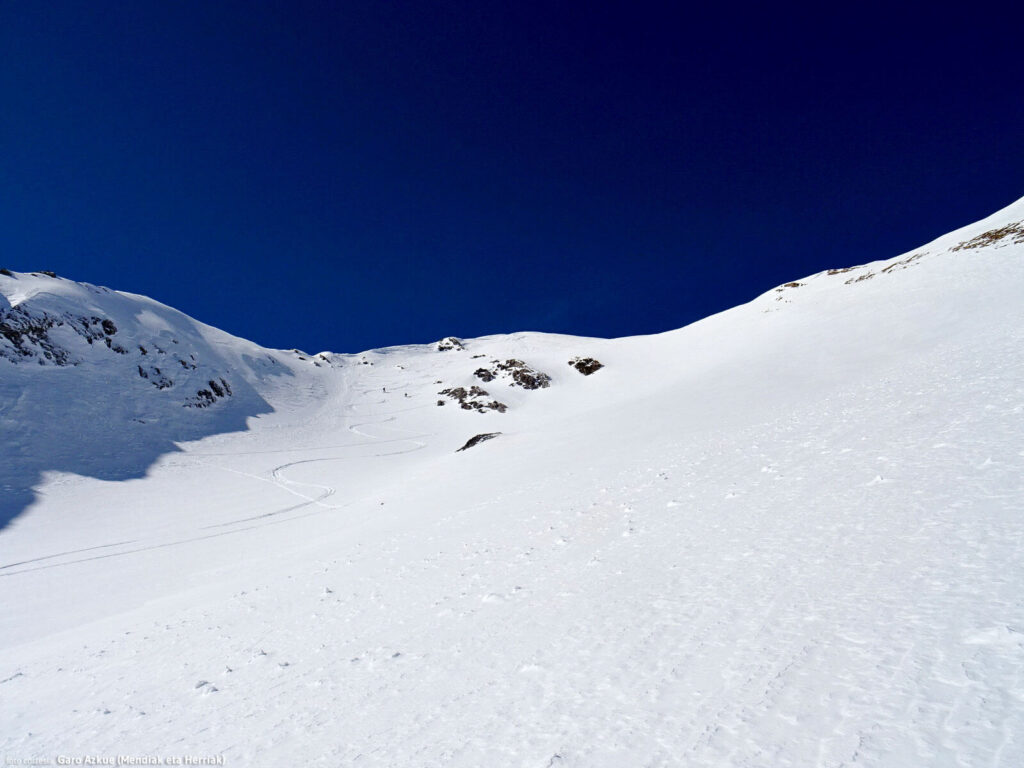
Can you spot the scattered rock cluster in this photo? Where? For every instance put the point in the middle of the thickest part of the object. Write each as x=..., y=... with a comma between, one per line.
x=472, y=399
x=46, y=338
x=517, y=373
x=896, y=266
x=521, y=374
x=586, y=365
x=782, y=288
x=1013, y=233
x=156, y=377
x=26, y=336
x=207, y=397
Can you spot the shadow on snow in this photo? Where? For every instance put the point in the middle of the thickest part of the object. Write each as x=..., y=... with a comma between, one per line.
x=55, y=423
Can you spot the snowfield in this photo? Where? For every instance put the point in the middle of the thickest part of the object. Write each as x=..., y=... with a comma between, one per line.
x=791, y=534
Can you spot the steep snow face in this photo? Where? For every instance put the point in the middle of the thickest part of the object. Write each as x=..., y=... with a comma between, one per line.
x=789, y=534
x=101, y=383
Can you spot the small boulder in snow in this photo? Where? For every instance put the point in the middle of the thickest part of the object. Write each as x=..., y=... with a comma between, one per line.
x=586, y=365
x=472, y=399
x=477, y=439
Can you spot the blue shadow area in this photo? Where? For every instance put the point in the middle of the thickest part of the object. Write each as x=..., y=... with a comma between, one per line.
x=93, y=424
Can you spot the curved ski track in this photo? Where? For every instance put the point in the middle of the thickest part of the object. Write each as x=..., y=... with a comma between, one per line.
x=277, y=478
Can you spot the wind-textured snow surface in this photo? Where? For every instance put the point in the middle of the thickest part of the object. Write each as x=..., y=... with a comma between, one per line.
x=791, y=534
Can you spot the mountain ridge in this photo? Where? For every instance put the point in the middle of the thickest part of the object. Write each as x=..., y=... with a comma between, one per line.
x=159, y=358
x=787, y=533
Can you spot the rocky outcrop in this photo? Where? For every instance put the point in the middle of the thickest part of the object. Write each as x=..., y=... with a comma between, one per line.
x=472, y=399
x=449, y=344
x=520, y=374
x=1011, y=234
x=204, y=398
x=35, y=336
x=26, y=336
x=45, y=338
x=586, y=365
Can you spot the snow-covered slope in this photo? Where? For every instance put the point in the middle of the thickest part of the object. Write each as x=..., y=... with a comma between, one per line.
x=101, y=383
x=790, y=534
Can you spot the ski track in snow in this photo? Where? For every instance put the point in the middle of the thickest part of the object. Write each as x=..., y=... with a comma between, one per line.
x=277, y=477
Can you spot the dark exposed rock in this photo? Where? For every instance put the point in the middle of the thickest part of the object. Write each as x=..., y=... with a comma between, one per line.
x=6, y=273
x=477, y=439
x=520, y=374
x=204, y=398
x=523, y=375
x=471, y=399
x=90, y=328
x=450, y=343
x=46, y=272
x=156, y=377
x=586, y=365
x=461, y=393
x=28, y=335
x=1013, y=233
x=37, y=336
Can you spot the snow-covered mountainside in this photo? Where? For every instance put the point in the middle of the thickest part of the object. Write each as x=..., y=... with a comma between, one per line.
x=101, y=383
x=789, y=534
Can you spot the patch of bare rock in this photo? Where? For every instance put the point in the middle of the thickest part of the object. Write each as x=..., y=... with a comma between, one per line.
x=586, y=365
x=477, y=439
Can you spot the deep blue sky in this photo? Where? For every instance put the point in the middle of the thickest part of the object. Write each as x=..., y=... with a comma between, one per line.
x=357, y=174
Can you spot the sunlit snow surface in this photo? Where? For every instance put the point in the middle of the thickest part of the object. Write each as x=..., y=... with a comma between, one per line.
x=789, y=535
